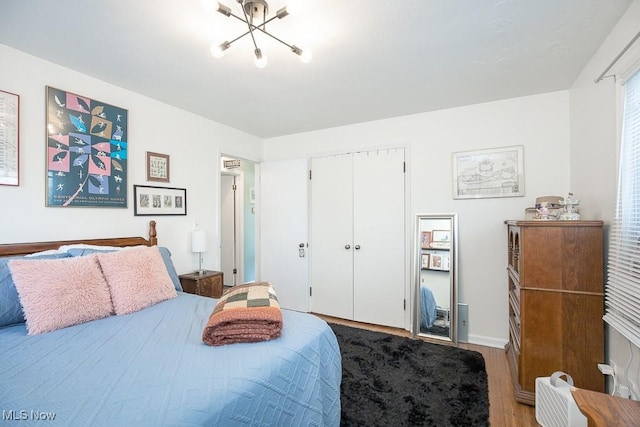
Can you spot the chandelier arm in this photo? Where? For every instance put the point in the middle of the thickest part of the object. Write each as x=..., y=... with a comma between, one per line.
x=246, y=22
x=238, y=38
x=272, y=36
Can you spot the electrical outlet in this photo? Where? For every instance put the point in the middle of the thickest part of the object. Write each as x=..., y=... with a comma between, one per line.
x=634, y=391
x=623, y=391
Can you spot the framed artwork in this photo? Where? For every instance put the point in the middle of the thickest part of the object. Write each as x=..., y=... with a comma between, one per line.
x=441, y=239
x=425, y=239
x=86, y=151
x=439, y=262
x=425, y=261
x=159, y=200
x=157, y=167
x=9, y=138
x=496, y=172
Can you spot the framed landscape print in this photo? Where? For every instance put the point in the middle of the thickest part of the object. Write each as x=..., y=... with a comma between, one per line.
x=159, y=200
x=9, y=138
x=495, y=172
x=87, y=150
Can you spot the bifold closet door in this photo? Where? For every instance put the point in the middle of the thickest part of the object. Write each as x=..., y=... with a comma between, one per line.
x=331, y=234
x=357, y=236
x=378, y=237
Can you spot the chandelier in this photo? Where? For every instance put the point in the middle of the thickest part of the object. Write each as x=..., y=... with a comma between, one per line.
x=255, y=18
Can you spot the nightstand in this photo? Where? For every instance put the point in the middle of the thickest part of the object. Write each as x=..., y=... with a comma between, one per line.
x=208, y=284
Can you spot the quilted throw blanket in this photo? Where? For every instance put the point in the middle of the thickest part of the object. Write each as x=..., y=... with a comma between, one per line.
x=246, y=313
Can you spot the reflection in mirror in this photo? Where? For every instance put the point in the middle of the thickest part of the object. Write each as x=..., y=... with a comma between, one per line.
x=436, y=276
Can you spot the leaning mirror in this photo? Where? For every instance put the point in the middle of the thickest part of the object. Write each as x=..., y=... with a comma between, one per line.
x=436, y=265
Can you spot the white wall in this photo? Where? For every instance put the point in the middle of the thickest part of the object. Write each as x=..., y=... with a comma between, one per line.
x=193, y=143
x=539, y=123
x=595, y=128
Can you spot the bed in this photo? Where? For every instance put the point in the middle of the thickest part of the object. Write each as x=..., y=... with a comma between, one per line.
x=151, y=368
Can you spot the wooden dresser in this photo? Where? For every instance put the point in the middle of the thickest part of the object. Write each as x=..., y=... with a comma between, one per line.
x=556, y=303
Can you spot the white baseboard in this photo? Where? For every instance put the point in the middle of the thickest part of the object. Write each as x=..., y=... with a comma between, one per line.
x=487, y=341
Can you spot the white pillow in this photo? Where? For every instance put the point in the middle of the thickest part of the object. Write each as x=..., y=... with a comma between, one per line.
x=65, y=248
x=48, y=252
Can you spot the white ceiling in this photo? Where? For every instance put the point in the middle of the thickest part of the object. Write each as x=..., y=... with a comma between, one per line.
x=371, y=59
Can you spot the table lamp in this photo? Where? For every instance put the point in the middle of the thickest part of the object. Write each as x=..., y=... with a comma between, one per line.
x=199, y=245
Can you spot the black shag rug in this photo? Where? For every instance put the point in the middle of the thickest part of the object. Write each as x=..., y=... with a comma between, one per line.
x=389, y=380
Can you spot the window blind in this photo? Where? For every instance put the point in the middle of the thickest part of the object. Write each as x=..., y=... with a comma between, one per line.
x=622, y=291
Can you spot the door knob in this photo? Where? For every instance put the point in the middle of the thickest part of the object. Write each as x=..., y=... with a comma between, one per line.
x=301, y=245
x=347, y=246
x=357, y=247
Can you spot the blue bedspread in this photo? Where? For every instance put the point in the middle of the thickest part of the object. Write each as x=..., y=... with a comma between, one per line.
x=151, y=368
x=428, y=310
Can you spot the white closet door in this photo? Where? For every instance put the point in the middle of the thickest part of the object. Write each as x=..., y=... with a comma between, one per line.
x=283, y=215
x=379, y=204
x=331, y=243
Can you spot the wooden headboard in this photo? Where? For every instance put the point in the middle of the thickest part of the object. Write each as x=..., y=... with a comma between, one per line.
x=11, y=249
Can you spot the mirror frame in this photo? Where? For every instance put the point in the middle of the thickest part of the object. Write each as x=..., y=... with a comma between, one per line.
x=453, y=277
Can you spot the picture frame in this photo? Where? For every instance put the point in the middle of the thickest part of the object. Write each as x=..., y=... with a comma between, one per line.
x=440, y=262
x=441, y=239
x=494, y=172
x=425, y=239
x=86, y=152
x=441, y=235
x=425, y=261
x=154, y=201
x=158, y=167
x=9, y=138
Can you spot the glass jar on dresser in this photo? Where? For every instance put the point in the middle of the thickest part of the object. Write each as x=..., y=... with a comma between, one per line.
x=556, y=303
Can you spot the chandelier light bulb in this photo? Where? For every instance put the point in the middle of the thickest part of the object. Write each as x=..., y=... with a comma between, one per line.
x=260, y=59
x=217, y=50
x=306, y=56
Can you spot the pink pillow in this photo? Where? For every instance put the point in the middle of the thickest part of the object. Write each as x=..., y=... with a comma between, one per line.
x=137, y=278
x=56, y=293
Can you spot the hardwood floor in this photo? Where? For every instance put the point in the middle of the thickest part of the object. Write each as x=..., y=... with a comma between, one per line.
x=503, y=408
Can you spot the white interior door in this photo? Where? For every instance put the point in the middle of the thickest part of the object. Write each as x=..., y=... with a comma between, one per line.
x=230, y=233
x=379, y=237
x=283, y=226
x=331, y=242
x=227, y=240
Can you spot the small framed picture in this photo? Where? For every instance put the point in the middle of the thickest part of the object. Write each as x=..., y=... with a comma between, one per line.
x=159, y=200
x=439, y=262
x=441, y=239
x=425, y=239
x=9, y=138
x=425, y=261
x=157, y=167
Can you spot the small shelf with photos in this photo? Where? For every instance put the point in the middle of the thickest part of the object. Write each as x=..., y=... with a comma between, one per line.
x=436, y=261
x=436, y=239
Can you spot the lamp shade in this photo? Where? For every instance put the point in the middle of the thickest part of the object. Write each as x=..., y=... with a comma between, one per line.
x=198, y=241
